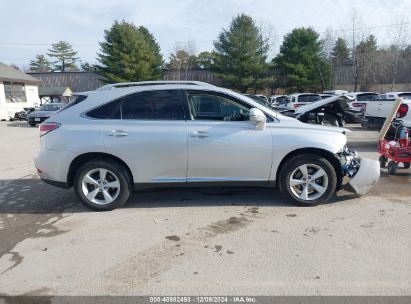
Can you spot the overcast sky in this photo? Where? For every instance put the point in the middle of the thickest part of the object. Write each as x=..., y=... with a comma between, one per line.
x=29, y=27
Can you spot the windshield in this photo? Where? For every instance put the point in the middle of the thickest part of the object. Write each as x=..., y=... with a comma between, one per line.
x=50, y=107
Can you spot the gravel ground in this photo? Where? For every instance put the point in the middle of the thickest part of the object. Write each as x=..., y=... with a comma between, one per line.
x=208, y=241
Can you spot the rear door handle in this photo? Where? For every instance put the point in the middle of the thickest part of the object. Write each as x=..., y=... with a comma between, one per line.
x=199, y=134
x=117, y=133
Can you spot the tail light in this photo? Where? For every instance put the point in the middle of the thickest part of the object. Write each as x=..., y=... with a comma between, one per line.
x=296, y=105
x=357, y=105
x=48, y=127
x=402, y=111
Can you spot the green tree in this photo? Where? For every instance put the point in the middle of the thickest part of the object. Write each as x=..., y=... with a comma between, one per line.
x=40, y=64
x=65, y=56
x=301, y=60
x=129, y=53
x=340, y=53
x=182, y=60
x=365, y=63
x=205, y=60
x=87, y=67
x=157, y=60
x=241, y=54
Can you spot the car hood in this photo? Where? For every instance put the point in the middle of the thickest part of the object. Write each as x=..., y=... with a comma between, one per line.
x=321, y=103
x=293, y=123
x=41, y=113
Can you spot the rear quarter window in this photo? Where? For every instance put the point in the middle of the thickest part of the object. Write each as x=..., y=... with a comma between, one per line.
x=109, y=110
x=77, y=100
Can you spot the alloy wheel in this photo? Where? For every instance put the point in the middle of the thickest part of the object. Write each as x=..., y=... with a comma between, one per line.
x=308, y=182
x=100, y=186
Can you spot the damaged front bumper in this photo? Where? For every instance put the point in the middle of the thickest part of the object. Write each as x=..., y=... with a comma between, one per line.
x=359, y=174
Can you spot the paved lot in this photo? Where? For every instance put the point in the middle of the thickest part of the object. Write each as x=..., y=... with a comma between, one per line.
x=205, y=242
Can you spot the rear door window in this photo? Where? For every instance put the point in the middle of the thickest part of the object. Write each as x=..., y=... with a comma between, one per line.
x=153, y=105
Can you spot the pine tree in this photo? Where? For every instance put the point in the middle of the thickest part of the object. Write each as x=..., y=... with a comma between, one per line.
x=301, y=60
x=129, y=53
x=65, y=56
x=340, y=53
x=241, y=54
x=40, y=64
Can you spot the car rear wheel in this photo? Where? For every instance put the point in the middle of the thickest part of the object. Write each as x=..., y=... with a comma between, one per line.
x=102, y=185
x=308, y=180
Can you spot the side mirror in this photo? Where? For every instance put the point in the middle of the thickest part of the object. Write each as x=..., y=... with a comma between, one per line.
x=257, y=116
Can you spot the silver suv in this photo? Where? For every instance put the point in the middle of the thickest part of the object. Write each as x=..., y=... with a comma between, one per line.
x=143, y=135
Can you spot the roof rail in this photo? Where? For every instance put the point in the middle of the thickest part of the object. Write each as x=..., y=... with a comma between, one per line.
x=121, y=85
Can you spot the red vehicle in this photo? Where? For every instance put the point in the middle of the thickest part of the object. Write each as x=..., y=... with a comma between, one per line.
x=396, y=150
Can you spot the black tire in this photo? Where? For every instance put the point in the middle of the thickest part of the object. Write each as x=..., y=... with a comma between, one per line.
x=118, y=171
x=406, y=165
x=289, y=168
x=392, y=167
x=383, y=161
x=32, y=124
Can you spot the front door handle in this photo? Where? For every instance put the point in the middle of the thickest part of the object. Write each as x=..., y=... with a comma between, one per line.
x=117, y=133
x=199, y=134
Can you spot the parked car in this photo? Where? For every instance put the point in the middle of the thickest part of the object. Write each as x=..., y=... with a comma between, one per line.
x=335, y=92
x=332, y=110
x=257, y=98
x=359, y=99
x=377, y=112
x=43, y=112
x=298, y=100
x=107, y=143
x=278, y=100
x=22, y=115
x=393, y=95
x=324, y=96
x=265, y=98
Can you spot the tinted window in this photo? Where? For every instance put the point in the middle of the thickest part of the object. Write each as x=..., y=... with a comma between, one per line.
x=152, y=105
x=365, y=97
x=214, y=107
x=308, y=98
x=282, y=100
x=50, y=107
x=405, y=95
x=77, y=99
x=110, y=110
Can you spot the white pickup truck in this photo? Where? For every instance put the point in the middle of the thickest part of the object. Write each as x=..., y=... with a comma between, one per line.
x=376, y=111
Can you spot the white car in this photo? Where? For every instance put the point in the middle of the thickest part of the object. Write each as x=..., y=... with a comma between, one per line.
x=359, y=99
x=335, y=92
x=302, y=99
x=393, y=95
x=108, y=142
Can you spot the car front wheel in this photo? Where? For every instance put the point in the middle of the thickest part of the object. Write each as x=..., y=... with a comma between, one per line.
x=102, y=185
x=308, y=180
